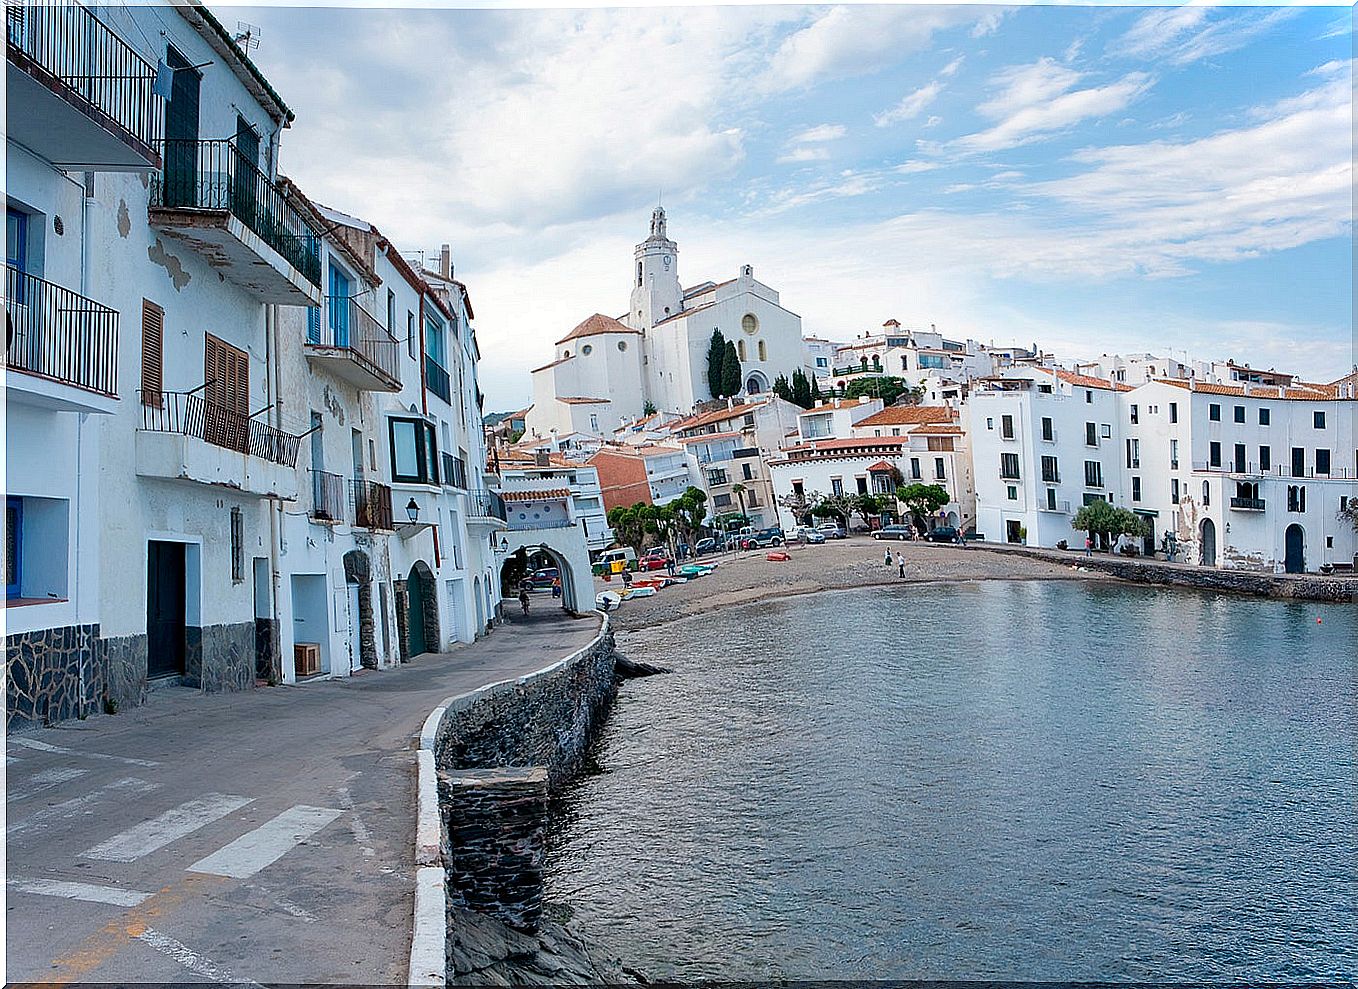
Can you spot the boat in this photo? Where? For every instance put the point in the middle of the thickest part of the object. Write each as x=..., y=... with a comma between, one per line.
x=607, y=600
x=638, y=592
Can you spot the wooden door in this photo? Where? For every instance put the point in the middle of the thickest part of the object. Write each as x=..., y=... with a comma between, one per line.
x=165, y=574
x=181, y=134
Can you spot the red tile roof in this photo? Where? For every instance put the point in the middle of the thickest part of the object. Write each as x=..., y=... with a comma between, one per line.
x=881, y=467
x=708, y=418
x=1085, y=381
x=908, y=415
x=577, y=400
x=596, y=324
x=1298, y=392
x=545, y=494
x=703, y=437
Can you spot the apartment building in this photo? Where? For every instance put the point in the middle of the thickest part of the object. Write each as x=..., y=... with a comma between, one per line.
x=936, y=452
x=650, y=475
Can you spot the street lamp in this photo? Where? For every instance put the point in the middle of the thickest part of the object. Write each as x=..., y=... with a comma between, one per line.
x=504, y=545
x=413, y=511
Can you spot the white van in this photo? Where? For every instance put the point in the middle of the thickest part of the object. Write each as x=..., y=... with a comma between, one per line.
x=624, y=555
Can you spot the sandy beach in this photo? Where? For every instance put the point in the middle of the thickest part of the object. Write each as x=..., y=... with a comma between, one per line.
x=744, y=577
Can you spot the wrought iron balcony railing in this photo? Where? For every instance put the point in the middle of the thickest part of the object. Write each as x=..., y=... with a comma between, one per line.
x=454, y=471
x=1248, y=504
x=372, y=505
x=327, y=496
x=436, y=379
x=348, y=325
x=58, y=334
x=217, y=175
x=73, y=53
x=189, y=414
x=487, y=504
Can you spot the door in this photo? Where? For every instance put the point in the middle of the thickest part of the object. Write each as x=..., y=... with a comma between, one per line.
x=1209, y=543
x=226, y=376
x=355, y=646
x=164, y=609
x=1148, y=540
x=181, y=134
x=339, y=308
x=415, y=592
x=245, y=183
x=16, y=312
x=1295, y=546
x=1011, y=531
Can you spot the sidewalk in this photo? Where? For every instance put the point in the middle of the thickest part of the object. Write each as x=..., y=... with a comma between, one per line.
x=264, y=836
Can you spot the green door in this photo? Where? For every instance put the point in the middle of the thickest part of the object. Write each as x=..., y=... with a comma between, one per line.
x=415, y=592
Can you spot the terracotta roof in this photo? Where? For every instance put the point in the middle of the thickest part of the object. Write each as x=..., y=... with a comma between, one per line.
x=718, y=415
x=560, y=360
x=864, y=443
x=1297, y=393
x=1085, y=381
x=937, y=430
x=595, y=325
x=881, y=467
x=577, y=400
x=708, y=436
x=908, y=415
x=545, y=494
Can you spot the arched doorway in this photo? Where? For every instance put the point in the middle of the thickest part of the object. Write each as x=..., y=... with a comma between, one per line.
x=1207, y=540
x=527, y=561
x=1294, y=546
x=756, y=383
x=422, y=610
x=358, y=583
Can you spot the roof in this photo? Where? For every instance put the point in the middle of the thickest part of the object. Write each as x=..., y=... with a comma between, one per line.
x=577, y=400
x=936, y=430
x=543, y=494
x=881, y=467
x=685, y=312
x=595, y=325
x=861, y=443
x=1297, y=392
x=717, y=415
x=559, y=360
x=224, y=45
x=703, y=437
x=909, y=415
x=1086, y=381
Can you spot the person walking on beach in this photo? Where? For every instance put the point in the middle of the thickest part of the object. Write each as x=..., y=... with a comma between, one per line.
x=900, y=564
x=886, y=557
x=523, y=599
x=1089, y=545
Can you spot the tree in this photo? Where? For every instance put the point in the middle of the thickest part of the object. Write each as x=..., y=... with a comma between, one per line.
x=868, y=507
x=716, y=363
x=838, y=506
x=801, y=389
x=730, y=372
x=1105, y=523
x=802, y=506
x=629, y=525
x=782, y=388
x=922, y=500
x=815, y=392
x=690, y=509
x=739, y=491
x=1349, y=513
x=648, y=409
x=886, y=387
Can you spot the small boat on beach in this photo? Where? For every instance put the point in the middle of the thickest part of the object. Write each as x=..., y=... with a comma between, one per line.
x=638, y=592
x=607, y=600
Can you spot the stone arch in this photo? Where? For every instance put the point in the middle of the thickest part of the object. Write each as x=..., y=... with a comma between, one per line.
x=1207, y=543
x=417, y=612
x=510, y=575
x=358, y=570
x=756, y=383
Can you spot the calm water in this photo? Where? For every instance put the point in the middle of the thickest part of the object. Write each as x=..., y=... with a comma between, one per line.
x=1003, y=780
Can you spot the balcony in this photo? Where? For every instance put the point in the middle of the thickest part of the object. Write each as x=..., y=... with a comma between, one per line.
x=372, y=505
x=1247, y=504
x=212, y=197
x=184, y=437
x=486, y=508
x=436, y=379
x=65, y=344
x=454, y=471
x=327, y=498
x=353, y=346
x=78, y=95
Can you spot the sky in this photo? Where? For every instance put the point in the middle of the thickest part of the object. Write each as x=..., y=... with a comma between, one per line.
x=1093, y=179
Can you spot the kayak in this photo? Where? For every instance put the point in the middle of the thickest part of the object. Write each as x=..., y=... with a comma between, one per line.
x=638, y=592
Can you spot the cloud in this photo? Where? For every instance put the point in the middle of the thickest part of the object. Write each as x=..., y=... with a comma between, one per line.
x=1037, y=100
x=911, y=106
x=824, y=132
x=804, y=154
x=1182, y=35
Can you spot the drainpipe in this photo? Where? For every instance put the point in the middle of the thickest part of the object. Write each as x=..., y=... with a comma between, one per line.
x=275, y=399
x=86, y=205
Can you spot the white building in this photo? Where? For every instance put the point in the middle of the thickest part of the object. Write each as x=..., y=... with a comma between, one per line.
x=607, y=371
x=650, y=475
x=521, y=472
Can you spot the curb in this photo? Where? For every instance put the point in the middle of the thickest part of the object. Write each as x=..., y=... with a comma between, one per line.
x=429, y=932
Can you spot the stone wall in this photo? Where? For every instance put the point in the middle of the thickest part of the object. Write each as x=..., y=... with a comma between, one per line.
x=228, y=657
x=268, y=659
x=53, y=674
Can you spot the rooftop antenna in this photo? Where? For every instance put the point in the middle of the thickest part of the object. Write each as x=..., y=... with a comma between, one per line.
x=247, y=36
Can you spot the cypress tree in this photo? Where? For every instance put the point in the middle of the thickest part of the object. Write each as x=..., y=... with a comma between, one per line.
x=716, y=363
x=730, y=372
x=815, y=392
x=782, y=388
x=801, y=389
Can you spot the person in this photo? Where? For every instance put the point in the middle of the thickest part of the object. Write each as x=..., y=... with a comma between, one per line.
x=886, y=557
x=523, y=599
x=556, y=587
x=669, y=566
x=626, y=577
x=1089, y=545
x=900, y=563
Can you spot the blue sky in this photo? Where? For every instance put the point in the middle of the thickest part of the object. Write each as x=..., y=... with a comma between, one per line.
x=1091, y=178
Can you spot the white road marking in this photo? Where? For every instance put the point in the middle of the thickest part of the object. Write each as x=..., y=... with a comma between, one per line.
x=45, y=780
x=189, y=958
x=80, y=891
x=67, y=808
x=148, y=836
x=361, y=833
x=267, y=843
x=287, y=906
x=33, y=743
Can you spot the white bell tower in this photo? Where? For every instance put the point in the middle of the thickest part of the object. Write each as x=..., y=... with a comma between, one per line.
x=656, y=294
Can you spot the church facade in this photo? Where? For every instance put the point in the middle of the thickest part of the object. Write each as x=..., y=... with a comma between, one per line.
x=607, y=370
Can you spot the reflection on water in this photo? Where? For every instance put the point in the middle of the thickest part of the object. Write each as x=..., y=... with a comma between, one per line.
x=997, y=780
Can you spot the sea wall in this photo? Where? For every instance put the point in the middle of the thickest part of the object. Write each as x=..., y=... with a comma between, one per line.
x=1296, y=586
x=489, y=761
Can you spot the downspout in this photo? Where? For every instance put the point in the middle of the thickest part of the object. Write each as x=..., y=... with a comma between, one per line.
x=274, y=398
x=86, y=202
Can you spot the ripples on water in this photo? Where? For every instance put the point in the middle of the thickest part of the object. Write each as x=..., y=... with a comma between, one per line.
x=1005, y=780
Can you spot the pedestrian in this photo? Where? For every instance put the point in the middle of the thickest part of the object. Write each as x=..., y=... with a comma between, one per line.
x=900, y=563
x=523, y=599
x=626, y=577
x=669, y=566
x=556, y=587
x=1089, y=545
x=886, y=557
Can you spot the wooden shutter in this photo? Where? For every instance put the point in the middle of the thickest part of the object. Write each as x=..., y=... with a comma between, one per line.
x=226, y=372
x=152, y=352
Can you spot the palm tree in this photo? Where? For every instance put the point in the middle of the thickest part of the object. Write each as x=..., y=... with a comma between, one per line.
x=739, y=491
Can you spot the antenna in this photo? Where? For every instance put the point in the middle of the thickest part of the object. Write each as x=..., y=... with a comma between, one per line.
x=247, y=36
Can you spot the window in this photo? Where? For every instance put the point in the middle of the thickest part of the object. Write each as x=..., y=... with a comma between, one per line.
x=939, y=469
x=914, y=469
x=763, y=351
x=1298, y=462
x=1091, y=434
x=1174, y=490
x=1240, y=458
x=1048, y=430
x=1173, y=411
x=391, y=312
x=1214, y=454
x=594, y=422
x=1265, y=458
x=1135, y=418
x=1093, y=474
x=1206, y=494
x=1263, y=417
x=740, y=350
x=1044, y=389
x=339, y=308
x=1089, y=397
x=586, y=350
x=862, y=485
x=716, y=476
x=1136, y=488
x=1296, y=497
x=1009, y=466
x=722, y=501
x=152, y=352
x=749, y=323
x=1106, y=431
x=989, y=423
x=1214, y=412
x=1051, y=499
x=622, y=345
x=413, y=451
x=1012, y=492
x=837, y=486
x=1173, y=454
x=226, y=377
x=1322, y=461
x=1133, y=453
x=1239, y=413
x=411, y=341
x=1007, y=427
x=1318, y=419
x=237, y=546
x=747, y=472
x=1051, y=472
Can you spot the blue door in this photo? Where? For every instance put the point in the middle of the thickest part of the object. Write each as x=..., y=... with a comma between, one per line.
x=14, y=541
x=339, y=308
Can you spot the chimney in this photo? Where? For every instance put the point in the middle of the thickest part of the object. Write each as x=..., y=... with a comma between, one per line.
x=446, y=261
x=542, y=458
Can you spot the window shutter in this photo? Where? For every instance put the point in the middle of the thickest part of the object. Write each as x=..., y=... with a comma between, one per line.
x=152, y=352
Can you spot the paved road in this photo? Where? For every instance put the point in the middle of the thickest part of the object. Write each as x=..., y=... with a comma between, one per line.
x=264, y=836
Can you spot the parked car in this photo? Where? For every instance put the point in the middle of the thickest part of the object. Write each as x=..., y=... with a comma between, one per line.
x=832, y=530
x=764, y=537
x=805, y=534
x=656, y=558
x=624, y=555
x=705, y=545
x=542, y=579
x=942, y=534
x=894, y=532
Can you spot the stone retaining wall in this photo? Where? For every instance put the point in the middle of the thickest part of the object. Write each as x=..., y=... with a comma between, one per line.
x=1297, y=586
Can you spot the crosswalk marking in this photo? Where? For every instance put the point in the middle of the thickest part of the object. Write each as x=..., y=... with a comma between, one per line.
x=67, y=808
x=47, y=779
x=190, y=959
x=149, y=836
x=267, y=843
x=33, y=743
x=112, y=895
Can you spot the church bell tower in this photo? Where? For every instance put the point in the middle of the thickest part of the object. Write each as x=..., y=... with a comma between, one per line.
x=656, y=294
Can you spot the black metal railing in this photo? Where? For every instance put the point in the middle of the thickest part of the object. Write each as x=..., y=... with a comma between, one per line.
x=1252, y=469
x=372, y=505
x=347, y=324
x=189, y=414
x=436, y=379
x=55, y=333
x=454, y=471
x=217, y=175
x=1248, y=504
x=73, y=53
x=327, y=496
x=486, y=504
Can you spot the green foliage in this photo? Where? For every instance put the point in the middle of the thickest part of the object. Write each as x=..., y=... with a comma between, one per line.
x=730, y=372
x=815, y=392
x=716, y=363
x=1099, y=518
x=629, y=525
x=782, y=388
x=836, y=506
x=690, y=509
x=922, y=500
x=515, y=436
x=869, y=506
x=803, y=507
x=648, y=409
x=1349, y=513
x=886, y=387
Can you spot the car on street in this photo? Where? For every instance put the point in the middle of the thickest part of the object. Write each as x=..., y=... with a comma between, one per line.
x=772, y=536
x=942, y=534
x=705, y=545
x=832, y=530
x=542, y=579
x=807, y=535
x=893, y=532
x=656, y=558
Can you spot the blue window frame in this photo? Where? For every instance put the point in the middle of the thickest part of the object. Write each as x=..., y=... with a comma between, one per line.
x=14, y=541
x=339, y=307
x=16, y=248
x=313, y=324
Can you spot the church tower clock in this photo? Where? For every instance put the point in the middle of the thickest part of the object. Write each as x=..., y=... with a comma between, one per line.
x=656, y=294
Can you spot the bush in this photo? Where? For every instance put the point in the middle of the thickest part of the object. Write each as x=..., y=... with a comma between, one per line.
x=1061, y=544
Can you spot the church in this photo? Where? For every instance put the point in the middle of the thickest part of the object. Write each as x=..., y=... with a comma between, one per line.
x=609, y=368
